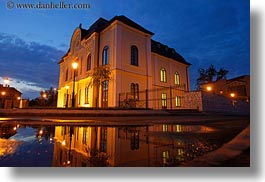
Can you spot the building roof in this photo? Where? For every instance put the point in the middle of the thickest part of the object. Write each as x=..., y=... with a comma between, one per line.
x=239, y=78
x=9, y=90
x=166, y=51
x=102, y=23
x=130, y=23
x=156, y=47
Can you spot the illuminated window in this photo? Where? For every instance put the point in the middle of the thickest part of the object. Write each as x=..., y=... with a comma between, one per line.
x=103, y=139
x=105, y=56
x=164, y=100
x=178, y=101
x=165, y=157
x=79, y=97
x=105, y=92
x=164, y=126
x=87, y=95
x=135, y=91
x=135, y=140
x=163, y=77
x=134, y=56
x=63, y=130
x=88, y=64
x=178, y=128
x=77, y=133
x=65, y=98
x=85, y=136
x=177, y=81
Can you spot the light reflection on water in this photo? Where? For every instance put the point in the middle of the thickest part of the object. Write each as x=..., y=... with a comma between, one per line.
x=82, y=146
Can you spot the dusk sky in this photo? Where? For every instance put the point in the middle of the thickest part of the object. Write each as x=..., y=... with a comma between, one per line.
x=204, y=32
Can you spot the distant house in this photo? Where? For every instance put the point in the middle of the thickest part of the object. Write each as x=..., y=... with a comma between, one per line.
x=237, y=88
x=9, y=97
x=144, y=73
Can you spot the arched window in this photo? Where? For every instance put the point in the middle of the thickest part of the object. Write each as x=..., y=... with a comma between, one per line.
x=178, y=103
x=87, y=95
x=163, y=76
x=134, y=56
x=135, y=91
x=177, y=81
x=105, y=90
x=105, y=56
x=88, y=64
x=66, y=75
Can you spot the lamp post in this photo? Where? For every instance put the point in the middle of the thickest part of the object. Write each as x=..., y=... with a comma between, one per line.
x=66, y=104
x=74, y=65
x=3, y=99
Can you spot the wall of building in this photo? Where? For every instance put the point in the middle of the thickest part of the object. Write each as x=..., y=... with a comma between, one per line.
x=119, y=38
x=218, y=103
x=193, y=100
x=210, y=102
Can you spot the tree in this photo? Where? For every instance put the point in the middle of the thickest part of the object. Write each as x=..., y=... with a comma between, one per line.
x=221, y=74
x=47, y=98
x=101, y=73
x=210, y=74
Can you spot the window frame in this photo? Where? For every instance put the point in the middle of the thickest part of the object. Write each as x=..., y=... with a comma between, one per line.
x=178, y=101
x=163, y=75
x=88, y=62
x=134, y=56
x=177, y=78
x=105, y=55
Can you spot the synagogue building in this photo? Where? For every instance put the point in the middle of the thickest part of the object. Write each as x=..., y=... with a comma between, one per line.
x=141, y=72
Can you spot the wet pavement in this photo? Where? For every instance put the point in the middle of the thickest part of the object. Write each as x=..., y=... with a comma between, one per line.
x=140, y=141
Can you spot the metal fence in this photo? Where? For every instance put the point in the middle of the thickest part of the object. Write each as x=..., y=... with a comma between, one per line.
x=171, y=97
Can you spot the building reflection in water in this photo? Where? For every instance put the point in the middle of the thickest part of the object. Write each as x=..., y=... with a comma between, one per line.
x=6, y=146
x=156, y=145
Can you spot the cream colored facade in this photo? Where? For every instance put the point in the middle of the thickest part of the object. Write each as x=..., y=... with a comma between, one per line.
x=140, y=71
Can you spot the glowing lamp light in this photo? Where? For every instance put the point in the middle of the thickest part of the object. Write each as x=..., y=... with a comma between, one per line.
x=6, y=81
x=3, y=93
x=41, y=132
x=232, y=94
x=15, y=128
x=44, y=95
x=68, y=162
x=74, y=65
x=63, y=143
x=67, y=87
x=208, y=88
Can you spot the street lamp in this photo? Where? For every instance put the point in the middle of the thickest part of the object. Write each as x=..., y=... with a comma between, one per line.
x=232, y=95
x=67, y=88
x=74, y=65
x=209, y=88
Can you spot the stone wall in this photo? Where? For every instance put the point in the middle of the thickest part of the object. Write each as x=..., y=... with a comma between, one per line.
x=218, y=103
x=193, y=100
x=209, y=102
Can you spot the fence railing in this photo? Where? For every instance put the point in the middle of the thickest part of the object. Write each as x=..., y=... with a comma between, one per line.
x=171, y=97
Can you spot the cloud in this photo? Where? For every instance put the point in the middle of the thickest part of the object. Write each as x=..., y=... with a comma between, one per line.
x=33, y=64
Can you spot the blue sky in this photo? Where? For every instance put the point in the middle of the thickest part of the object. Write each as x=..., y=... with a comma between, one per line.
x=204, y=32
